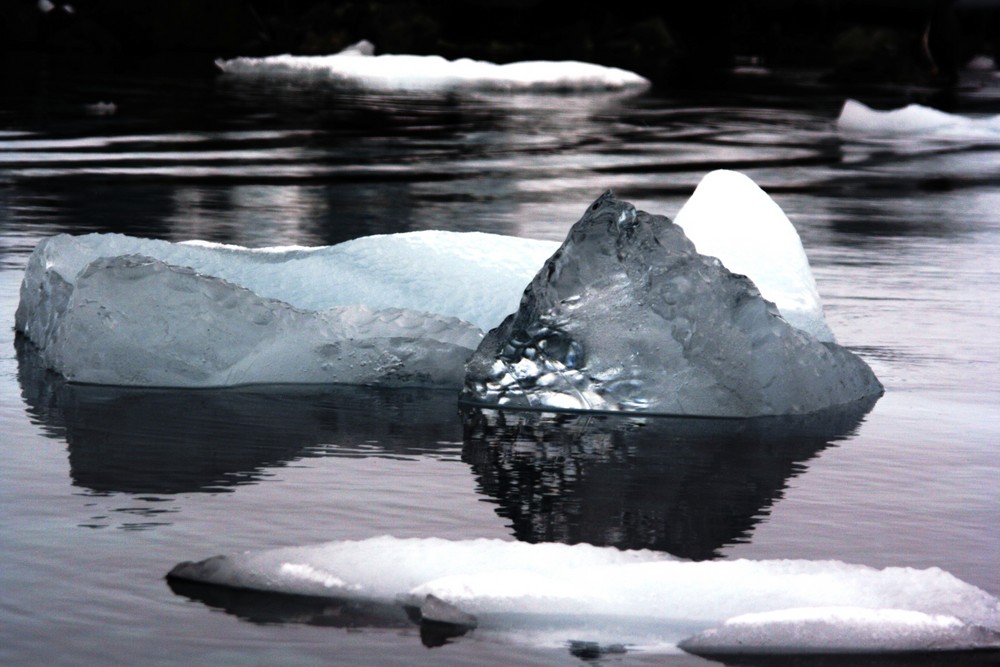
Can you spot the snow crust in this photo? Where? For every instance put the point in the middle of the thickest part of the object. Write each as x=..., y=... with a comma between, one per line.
x=555, y=593
x=358, y=66
x=730, y=217
x=857, y=119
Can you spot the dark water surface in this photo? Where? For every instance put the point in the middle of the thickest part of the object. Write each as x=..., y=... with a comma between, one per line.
x=103, y=490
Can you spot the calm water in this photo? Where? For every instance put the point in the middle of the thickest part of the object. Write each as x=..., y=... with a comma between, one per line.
x=103, y=490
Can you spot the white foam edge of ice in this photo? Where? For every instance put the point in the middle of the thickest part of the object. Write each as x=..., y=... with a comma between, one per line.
x=858, y=119
x=730, y=217
x=650, y=600
x=357, y=65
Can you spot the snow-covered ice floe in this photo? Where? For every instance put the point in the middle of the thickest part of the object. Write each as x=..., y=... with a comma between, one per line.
x=357, y=66
x=397, y=310
x=857, y=119
x=552, y=594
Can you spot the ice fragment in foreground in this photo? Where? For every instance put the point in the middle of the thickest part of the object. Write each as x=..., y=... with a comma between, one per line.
x=554, y=593
x=627, y=316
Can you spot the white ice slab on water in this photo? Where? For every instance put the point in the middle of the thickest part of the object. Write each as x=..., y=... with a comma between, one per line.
x=554, y=593
x=398, y=309
x=358, y=66
x=857, y=119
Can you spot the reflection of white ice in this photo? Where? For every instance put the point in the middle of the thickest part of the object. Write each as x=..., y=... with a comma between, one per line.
x=556, y=592
x=357, y=66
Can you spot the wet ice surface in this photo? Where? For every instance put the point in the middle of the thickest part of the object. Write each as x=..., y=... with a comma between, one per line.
x=359, y=66
x=627, y=316
x=641, y=599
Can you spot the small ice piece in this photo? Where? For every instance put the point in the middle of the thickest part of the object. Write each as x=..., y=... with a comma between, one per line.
x=358, y=66
x=732, y=218
x=101, y=108
x=436, y=610
x=814, y=630
x=857, y=119
x=627, y=316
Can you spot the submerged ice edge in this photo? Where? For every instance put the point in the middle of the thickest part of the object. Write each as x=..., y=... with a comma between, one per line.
x=642, y=599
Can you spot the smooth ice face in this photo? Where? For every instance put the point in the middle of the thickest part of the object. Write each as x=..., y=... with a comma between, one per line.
x=394, y=310
x=358, y=66
x=552, y=593
x=731, y=218
x=858, y=119
x=627, y=316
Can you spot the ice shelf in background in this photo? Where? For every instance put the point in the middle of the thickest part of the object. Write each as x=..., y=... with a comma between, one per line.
x=857, y=119
x=731, y=218
x=357, y=66
x=554, y=593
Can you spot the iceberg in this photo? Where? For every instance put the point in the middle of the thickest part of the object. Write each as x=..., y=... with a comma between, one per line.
x=730, y=217
x=395, y=310
x=857, y=119
x=403, y=309
x=627, y=317
x=357, y=66
x=556, y=593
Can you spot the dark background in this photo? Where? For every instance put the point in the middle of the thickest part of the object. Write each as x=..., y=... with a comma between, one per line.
x=864, y=41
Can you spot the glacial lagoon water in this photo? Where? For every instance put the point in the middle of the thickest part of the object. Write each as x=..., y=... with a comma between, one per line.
x=103, y=490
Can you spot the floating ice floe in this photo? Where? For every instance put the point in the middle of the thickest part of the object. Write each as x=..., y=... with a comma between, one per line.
x=398, y=310
x=628, y=317
x=857, y=119
x=403, y=309
x=357, y=66
x=643, y=600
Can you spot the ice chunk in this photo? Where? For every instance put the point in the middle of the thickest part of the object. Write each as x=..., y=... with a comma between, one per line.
x=134, y=320
x=858, y=119
x=840, y=630
x=731, y=218
x=357, y=66
x=636, y=598
x=396, y=309
x=627, y=316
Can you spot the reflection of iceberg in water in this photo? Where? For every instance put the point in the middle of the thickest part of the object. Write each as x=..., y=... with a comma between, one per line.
x=165, y=441
x=685, y=486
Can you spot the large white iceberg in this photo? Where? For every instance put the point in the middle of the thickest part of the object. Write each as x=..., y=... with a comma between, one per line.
x=554, y=593
x=857, y=119
x=397, y=309
x=358, y=66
